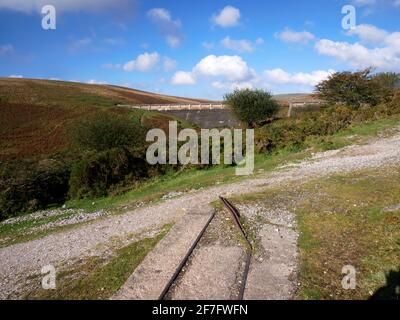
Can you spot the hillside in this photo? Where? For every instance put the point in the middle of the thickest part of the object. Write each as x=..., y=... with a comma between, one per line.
x=35, y=113
x=295, y=97
x=61, y=93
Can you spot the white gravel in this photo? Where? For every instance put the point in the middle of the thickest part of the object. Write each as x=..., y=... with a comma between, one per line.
x=19, y=261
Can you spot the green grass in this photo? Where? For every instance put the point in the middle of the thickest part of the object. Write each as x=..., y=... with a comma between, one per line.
x=352, y=135
x=342, y=222
x=99, y=278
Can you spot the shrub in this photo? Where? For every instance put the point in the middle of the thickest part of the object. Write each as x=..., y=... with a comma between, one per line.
x=279, y=135
x=252, y=106
x=26, y=187
x=105, y=130
x=97, y=173
x=351, y=88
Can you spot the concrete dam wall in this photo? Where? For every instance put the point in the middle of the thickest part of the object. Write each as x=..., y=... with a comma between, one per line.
x=208, y=116
x=207, y=119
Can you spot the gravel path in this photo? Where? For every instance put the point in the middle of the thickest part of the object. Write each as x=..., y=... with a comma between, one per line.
x=19, y=261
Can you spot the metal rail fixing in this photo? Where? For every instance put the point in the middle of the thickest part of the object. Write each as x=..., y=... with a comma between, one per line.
x=236, y=217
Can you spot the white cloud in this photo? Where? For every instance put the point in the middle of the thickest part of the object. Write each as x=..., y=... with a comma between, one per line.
x=232, y=68
x=234, y=85
x=169, y=28
x=30, y=6
x=289, y=35
x=384, y=55
x=227, y=17
x=237, y=45
x=144, y=62
x=281, y=77
x=183, y=78
x=369, y=33
x=169, y=64
x=228, y=72
x=6, y=48
x=18, y=76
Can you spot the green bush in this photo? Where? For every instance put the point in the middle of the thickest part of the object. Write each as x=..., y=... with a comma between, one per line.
x=95, y=175
x=106, y=130
x=26, y=187
x=351, y=88
x=252, y=106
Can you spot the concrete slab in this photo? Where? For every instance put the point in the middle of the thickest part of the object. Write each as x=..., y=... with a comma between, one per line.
x=270, y=274
x=153, y=274
x=213, y=273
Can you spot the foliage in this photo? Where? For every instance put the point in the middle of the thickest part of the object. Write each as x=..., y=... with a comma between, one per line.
x=32, y=186
x=352, y=88
x=105, y=130
x=96, y=174
x=252, y=106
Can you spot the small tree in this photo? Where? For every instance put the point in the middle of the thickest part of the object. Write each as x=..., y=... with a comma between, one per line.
x=252, y=106
x=351, y=88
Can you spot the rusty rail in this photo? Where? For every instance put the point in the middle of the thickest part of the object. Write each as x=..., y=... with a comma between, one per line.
x=236, y=217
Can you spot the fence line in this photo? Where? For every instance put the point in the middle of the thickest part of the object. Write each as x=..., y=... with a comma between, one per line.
x=177, y=107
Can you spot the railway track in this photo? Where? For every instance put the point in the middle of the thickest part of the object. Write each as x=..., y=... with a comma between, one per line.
x=236, y=218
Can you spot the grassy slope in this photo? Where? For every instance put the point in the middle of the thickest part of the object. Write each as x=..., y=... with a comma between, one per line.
x=61, y=93
x=35, y=113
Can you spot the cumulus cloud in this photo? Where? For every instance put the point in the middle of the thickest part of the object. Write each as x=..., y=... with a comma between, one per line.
x=232, y=68
x=228, y=72
x=237, y=45
x=227, y=17
x=279, y=76
x=384, y=54
x=369, y=33
x=169, y=28
x=289, y=35
x=30, y=6
x=6, y=49
x=183, y=78
x=144, y=62
x=17, y=76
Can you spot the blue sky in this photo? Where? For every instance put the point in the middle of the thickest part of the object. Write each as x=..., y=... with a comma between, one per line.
x=197, y=48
